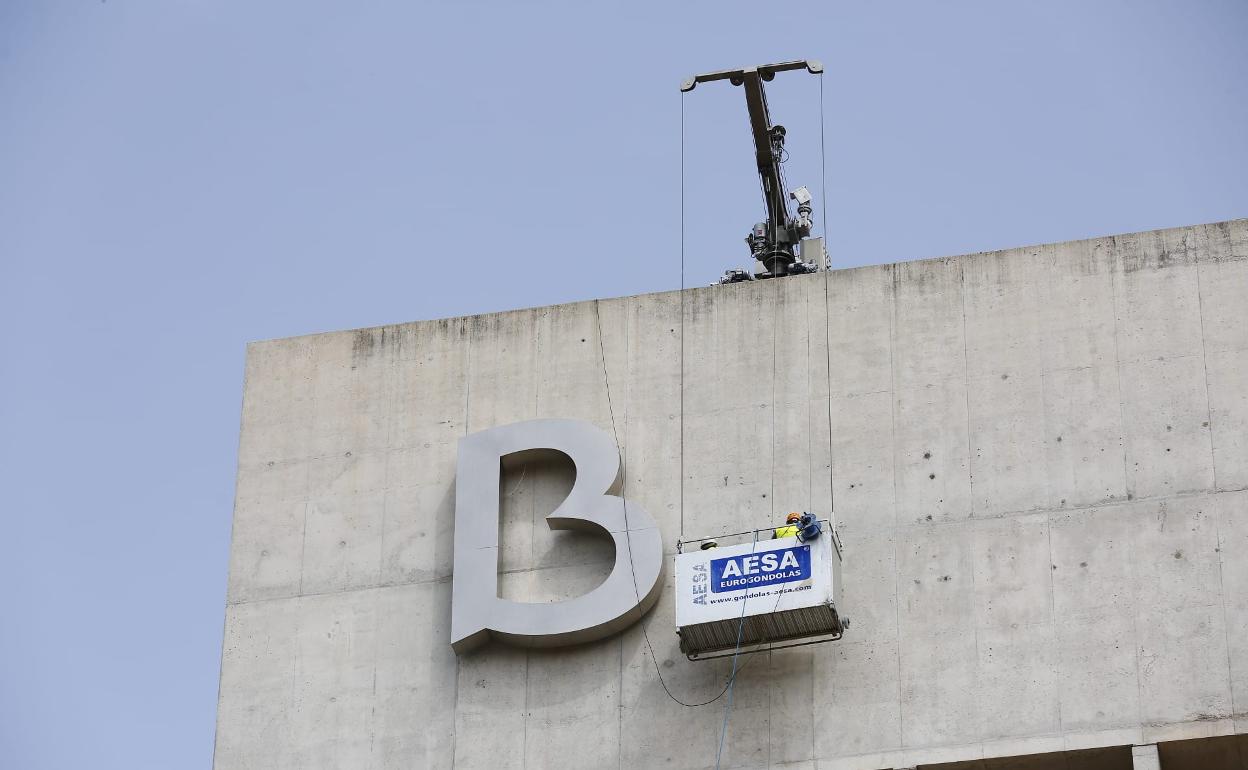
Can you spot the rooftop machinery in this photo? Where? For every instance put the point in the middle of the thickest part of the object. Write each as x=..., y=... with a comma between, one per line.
x=773, y=241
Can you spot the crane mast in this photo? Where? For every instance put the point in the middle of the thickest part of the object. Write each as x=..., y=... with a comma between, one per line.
x=772, y=242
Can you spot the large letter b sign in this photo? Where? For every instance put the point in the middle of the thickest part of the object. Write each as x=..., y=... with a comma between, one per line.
x=477, y=612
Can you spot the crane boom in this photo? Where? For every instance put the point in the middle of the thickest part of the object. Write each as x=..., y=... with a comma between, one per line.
x=772, y=242
x=768, y=146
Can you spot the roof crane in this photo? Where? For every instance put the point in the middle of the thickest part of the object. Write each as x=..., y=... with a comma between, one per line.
x=771, y=242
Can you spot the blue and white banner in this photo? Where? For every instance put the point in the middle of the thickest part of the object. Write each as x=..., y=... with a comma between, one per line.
x=755, y=578
x=752, y=570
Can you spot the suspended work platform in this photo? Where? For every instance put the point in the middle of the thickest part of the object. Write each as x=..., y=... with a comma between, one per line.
x=760, y=593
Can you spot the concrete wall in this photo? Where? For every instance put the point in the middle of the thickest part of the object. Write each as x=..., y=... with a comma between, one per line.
x=1039, y=459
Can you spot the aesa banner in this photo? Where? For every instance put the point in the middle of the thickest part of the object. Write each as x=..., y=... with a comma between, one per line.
x=751, y=570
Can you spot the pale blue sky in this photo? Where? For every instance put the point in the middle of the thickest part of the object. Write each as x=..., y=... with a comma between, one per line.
x=180, y=177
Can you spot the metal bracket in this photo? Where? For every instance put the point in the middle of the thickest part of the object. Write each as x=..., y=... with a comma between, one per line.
x=765, y=71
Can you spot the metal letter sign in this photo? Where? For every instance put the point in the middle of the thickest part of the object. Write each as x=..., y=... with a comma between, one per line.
x=477, y=612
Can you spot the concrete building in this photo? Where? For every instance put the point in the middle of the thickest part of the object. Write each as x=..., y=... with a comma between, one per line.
x=1039, y=461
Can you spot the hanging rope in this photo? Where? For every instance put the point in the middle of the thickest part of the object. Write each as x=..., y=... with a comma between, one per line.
x=810, y=434
x=627, y=529
x=827, y=313
x=823, y=181
x=682, y=316
x=723, y=728
x=775, y=318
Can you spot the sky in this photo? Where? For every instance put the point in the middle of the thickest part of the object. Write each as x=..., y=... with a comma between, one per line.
x=180, y=177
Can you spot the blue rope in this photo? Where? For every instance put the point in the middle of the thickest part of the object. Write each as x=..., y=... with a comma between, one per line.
x=732, y=680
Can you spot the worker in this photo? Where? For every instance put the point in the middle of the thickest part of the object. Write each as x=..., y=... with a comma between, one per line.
x=790, y=526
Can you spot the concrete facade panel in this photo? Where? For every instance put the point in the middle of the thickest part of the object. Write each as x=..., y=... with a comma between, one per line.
x=1097, y=669
x=935, y=581
x=1017, y=673
x=266, y=552
x=1083, y=438
x=1184, y=671
x=411, y=679
x=429, y=397
x=800, y=351
x=1223, y=312
x=341, y=535
x=1007, y=435
x=870, y=588
x=1232, y=513
x=277, y=401
x=1227, y=377
x=940, y=686
x=796, y=478
x=791, y=710
x=861, y=316
x=1232, y=523
x=335, y=643
x=864, y=478
x=1012, y=572
x=1035, y=458
x=1175, y=549
x=1165, y=407
x=1094, y=563
x=253, y=713
x=729, y=490
x=328, y=672
x=1075, y=284
x=352, y=395
x=931, y=453
x=929, y=323
x=1002, y=316
x=1237, y=235
x=560, y=712
x=490, y=710
x=500, y=385
x=417, y=533
x=1158, y=297
x=858, y=689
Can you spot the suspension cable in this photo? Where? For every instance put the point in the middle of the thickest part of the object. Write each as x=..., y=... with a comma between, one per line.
x=723, y=728
x=682, y=315
x=827, y=313
x=823, y=180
